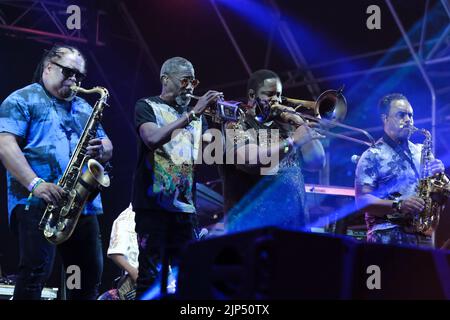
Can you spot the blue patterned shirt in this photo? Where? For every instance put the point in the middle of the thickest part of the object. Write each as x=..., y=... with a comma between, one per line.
x=382, y=168
x=49, y=129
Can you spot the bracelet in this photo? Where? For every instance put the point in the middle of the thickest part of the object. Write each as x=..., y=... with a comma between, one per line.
x=286, y=146
x=36, y=185
x=291, y=142
x=33, y=183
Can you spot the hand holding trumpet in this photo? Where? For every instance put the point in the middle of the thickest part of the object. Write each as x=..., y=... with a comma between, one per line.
x=205, y=100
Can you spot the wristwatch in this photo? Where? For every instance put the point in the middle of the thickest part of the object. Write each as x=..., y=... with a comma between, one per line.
x=397, y=205
x=192, y=115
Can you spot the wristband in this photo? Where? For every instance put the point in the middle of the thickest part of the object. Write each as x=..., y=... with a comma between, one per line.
x=33, y=183
x=37, y=184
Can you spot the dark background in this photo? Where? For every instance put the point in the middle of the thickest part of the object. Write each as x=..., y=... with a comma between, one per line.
x=326, y=31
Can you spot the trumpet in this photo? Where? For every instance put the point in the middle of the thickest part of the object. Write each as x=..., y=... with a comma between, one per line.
x=328, y=111
x=223, y=110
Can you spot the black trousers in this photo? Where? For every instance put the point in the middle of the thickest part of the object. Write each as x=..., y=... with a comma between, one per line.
x=83, y=249
x=161, y=234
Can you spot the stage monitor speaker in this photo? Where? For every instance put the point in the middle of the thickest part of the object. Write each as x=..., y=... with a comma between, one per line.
x=272, y=263
x=405, y=272
x=267, y=263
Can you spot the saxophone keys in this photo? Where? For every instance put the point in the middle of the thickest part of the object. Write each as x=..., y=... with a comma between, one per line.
x=48, y=232
x=61, y=226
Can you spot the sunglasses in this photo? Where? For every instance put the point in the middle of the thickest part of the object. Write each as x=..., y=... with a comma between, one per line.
x=69, y=72
x=185, y=82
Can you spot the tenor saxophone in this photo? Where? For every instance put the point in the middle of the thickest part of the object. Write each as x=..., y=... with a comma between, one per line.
x=59, y=220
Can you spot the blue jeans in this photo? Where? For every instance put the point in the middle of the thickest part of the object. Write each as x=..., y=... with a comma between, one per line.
x=36, y=255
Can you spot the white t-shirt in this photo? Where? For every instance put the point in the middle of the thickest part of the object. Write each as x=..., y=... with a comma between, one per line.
x=124, y=238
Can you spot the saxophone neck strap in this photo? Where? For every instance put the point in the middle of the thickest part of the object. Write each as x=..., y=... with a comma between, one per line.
x=402, y=153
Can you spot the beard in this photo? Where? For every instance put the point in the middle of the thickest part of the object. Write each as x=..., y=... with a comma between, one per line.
x=182, y=100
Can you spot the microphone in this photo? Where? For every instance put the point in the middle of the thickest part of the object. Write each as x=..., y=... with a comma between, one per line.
x=213, y=182
x=203, y=233
x=355, y=158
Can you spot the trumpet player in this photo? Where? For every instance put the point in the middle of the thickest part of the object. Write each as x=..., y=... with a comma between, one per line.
x=40, y=126
x=251, y=198
x=387, y=176
x=163, y=185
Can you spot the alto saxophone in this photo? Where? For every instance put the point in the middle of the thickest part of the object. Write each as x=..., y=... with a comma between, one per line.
x=59, y=220
x=433, y=189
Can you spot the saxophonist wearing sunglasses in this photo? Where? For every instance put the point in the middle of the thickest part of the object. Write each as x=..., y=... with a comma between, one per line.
x=40, y=126
x=163, y=185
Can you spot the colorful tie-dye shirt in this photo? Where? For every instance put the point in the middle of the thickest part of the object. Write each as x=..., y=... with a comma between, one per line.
x=164, y=178
x=382, y=168
x=49, y=130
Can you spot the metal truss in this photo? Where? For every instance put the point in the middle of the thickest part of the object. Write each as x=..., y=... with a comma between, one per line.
x=438, y=55
x=435, y=56
x=44, y=20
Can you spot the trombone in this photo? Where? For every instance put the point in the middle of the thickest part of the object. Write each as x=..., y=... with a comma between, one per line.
x=328, y=110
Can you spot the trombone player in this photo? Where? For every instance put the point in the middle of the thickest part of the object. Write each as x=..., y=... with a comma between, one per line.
x=253, y=200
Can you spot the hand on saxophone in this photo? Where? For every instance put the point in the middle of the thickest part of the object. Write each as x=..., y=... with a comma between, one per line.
x=205, y=100
x=436, y=166
x=95, y=149
x=49, y=192
x=412, y=205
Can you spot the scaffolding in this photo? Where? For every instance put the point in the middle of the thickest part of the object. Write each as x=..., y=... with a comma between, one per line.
x=43, y=20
